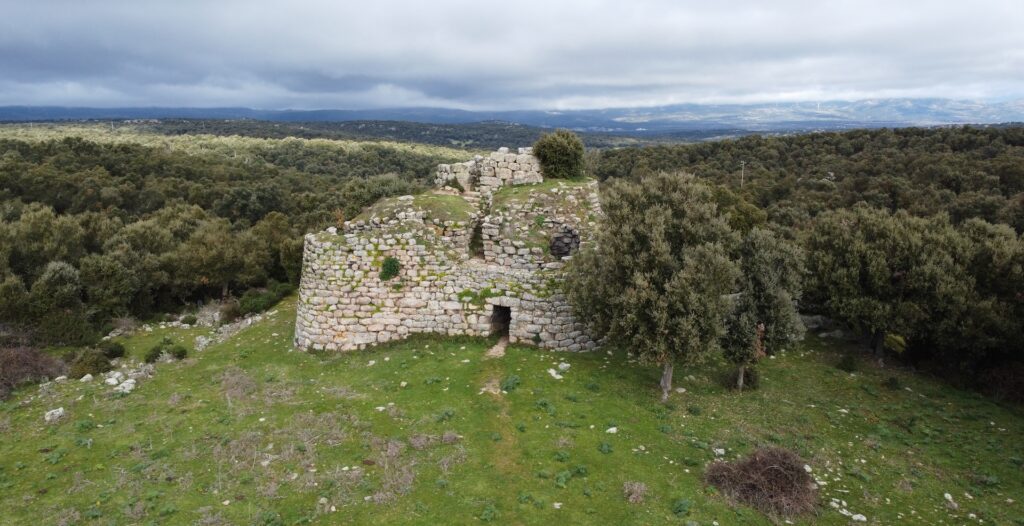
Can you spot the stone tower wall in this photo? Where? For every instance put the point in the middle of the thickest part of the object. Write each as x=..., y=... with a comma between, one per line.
x=344, y=305
x=441, y=288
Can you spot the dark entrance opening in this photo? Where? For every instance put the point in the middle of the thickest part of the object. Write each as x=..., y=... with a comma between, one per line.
x=565, y=242
x=501, y=318
x=476, y=242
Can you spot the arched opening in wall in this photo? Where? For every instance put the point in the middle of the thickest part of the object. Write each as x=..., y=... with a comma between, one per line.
x=501, y=320
x=565, y=242
x=476, y=242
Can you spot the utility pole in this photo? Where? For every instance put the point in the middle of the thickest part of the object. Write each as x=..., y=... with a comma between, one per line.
x=743, y=171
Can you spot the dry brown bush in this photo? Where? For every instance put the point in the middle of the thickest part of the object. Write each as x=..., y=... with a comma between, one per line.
x=22, y=365
x=772, y=480
x=420, y=442
x=238, y=387
x=634, y=491
x=457, y=457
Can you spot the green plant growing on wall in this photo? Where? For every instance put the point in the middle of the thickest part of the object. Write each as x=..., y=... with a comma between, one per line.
x=389, y=268
x=560, y=154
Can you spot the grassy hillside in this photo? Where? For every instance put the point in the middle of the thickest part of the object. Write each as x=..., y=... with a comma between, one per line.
x=250, y=432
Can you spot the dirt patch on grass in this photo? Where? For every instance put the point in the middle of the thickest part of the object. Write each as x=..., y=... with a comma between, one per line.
x=491, y=387
x=772, y=480
x=498, y=350
x=634, y=491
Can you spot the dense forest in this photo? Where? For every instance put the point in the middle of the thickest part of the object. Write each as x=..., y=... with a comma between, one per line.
x=963, y=171
x=92, y=230
x=912, y=236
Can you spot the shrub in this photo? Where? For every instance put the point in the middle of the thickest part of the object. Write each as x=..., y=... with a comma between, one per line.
x=895, y=343
x=510, y=383
x=389, y=268
x=560, y=154
x=190, y=319
x=22, y=365
x=892, y=383
x=111, y=349
x=847, y=363
x=65, y=327
x=259, y=300
x=166, y=346
x=229, y=312
x=681, y=507
x=772, y=480
x=179, y=352
x=476, y=241
x=1005, y=382
x=254, y=301
x=634, y=491
x=89, y=361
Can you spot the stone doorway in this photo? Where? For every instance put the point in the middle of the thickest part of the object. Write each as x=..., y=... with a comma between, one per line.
x=501, y=320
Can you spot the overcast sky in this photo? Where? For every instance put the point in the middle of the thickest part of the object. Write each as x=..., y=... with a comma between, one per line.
x=474, y=54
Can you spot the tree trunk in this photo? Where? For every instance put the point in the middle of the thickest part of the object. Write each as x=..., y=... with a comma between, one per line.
x=224, y=292
x=739, y=378
x=877, y=339
x=666, y=381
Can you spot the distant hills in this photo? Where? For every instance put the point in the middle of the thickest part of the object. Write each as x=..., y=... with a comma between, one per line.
x=794, y=116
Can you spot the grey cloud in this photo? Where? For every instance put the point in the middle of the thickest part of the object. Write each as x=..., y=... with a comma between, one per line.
x=491, y=55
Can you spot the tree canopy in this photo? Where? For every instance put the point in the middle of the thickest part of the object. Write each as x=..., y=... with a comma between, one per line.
x=655, y=279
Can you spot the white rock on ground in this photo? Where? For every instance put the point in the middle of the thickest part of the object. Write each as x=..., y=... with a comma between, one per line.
x=54, y=415
x=86, y=378
x=563, y=367
x=60, y=379
x=612, y=430
x=126, y=387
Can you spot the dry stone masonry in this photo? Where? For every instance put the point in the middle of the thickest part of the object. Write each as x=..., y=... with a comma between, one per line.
x=490, y=173
x=482, y=254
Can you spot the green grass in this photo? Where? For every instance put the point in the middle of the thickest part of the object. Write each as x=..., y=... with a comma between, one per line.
x=270, y=431
x=509, y=194
x=437, y=206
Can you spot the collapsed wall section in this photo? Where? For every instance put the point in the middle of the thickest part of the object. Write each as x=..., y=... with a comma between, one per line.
x=487, y=174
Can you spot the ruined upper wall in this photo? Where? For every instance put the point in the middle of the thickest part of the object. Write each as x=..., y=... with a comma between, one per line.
x=487, y=174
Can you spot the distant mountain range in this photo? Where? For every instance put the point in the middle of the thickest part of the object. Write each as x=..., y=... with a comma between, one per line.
x=792, y=116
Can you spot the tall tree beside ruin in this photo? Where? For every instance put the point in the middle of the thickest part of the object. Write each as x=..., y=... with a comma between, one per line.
x=656, y=277
x=765, y=316
x=560, y=154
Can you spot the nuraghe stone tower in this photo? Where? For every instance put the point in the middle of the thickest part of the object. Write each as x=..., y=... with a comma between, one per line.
x=482, y=254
